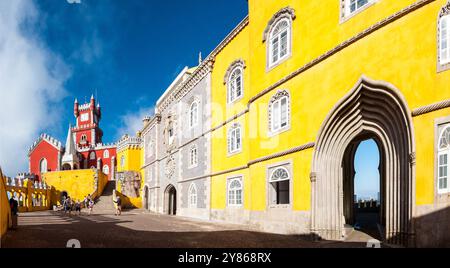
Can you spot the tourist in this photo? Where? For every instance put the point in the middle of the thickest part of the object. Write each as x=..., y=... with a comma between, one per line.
x=14, y=210
x=78, y=207
x=118, y=202
x=68, y=206
x=91, y=206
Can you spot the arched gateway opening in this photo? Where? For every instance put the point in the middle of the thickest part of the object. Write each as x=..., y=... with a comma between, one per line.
x=372, y=110
x=170, y=200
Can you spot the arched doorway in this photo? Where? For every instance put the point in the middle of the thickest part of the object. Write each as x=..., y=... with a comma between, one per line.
x=372, y=110
x=363, y=200
x=66, y=167
x=170, y=200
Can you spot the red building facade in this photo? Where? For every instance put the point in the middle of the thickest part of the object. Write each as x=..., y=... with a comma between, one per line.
x=84, y=147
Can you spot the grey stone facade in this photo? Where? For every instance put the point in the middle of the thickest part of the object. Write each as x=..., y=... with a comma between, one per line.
x=168, y=139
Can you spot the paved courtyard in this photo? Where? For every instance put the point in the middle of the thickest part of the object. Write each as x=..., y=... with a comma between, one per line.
x=139, y=229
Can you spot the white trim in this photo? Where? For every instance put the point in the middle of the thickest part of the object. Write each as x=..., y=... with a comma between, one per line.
x=281, y=94
x=234, y=127
x=105, y=168
x=270, y=48
x=193, y=123
x=241, y=182
x=346, y=14
x=193, y=164
x=443, y=152
x=106, y=154
x=43, y=160
x=231, y=83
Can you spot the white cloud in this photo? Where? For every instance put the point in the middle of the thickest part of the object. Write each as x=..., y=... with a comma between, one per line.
x=31, y=84
x=131, y=122
x=74, y=1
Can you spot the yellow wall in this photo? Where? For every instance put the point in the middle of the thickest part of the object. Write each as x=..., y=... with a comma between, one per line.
x=5, y=212
x=133, y=162
x=77, y=183
x=396, y=53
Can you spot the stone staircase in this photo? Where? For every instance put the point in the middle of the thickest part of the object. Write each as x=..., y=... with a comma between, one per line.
x=104, y=203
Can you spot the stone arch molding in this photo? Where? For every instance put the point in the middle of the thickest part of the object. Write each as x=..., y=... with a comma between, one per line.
x=235, y=64
x=286, y=12
x=372, y=109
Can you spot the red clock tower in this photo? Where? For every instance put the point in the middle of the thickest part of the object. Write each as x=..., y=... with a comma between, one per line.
x=87, y=131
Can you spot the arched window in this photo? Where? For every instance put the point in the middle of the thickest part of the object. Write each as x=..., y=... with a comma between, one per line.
x=234, y=139
x=106, y=169
x=193, y=114
x=279, y=112
x=122, y=161
x=83, y=139
x=92, y=156
x=279, y=42
x=444, y=39
x=235, y=192
x=106, y=154
x=43, y=165
x=193, y=156
x=235, y=84
x=151, y=148
x=193, y=196
x=443, y=161
x=279, y=190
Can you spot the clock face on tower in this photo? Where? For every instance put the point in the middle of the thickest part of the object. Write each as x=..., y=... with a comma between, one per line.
x=84, y=117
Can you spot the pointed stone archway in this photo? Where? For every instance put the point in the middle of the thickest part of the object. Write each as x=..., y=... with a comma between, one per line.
x=374, y=110
x=170, y=200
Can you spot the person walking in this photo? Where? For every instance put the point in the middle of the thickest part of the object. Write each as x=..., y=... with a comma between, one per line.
x=118, y=202
x=91, y=206
x=14, y=205
x=78, y=207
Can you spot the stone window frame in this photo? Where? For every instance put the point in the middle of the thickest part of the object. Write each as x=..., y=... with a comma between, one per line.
x=288, y=165
x=192, y=186
x=106, y=154
x=239, y=178
x=43, y=160
x=233, y=127
x=191, y=164
x=234, y=66
x=288, y=14
x=122, y=161
x=440, y=125
x=277, y=96
x=92, y=156
x=191, y=123
x=444, y=11
x=343, y=10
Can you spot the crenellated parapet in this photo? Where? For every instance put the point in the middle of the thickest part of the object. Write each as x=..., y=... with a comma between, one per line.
x=49, y=139
x=127, y=142
x=98, y=146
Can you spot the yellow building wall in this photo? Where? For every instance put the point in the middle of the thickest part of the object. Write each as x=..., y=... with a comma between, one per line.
x=77, y=183
x=396, y=53
x=5, y=212
x=133, y=162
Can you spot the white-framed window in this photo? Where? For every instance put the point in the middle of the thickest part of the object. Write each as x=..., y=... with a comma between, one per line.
x=234, y=139
x=443, y=161
x=106, y=154
x=92, y=156
x=279, y=112
x=235, y=192
x=83, y=139
x=235, y=85
x=279, y=182
x=122, y=161
x=353, y=6
x=192, y=196
x=43, y=165
x=279, y=42
x=193, y=114
x=106, y=169
x=444, y=40
x=193, y=156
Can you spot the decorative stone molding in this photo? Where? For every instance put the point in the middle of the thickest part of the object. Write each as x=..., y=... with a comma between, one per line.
x=49, y=139
x=286, y=12
x=235, y=64
x=170, y=166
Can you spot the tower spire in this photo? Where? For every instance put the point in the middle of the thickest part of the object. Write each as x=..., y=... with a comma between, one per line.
x=70, y=157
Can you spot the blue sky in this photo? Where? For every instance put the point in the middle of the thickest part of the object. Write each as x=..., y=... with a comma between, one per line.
x=127, y=52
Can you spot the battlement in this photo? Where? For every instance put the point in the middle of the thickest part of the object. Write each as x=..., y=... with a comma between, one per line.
x=54, y=142
x=98, y=146
x=84, y=107
x=129, y=142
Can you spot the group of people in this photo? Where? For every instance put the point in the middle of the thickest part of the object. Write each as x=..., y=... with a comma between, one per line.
x=69, y=205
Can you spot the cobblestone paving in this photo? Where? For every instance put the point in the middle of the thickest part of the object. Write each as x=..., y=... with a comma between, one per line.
x=139, y=229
